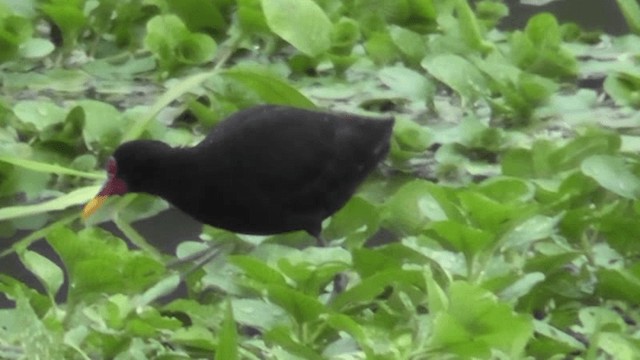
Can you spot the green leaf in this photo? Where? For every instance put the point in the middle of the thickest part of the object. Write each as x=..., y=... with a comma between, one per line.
x=411, y=44
x=163, y=288
x=164, y=34
x=178, y=89
x=196, y=49
x=631, y=12
x=413, y=206
x=271, y=89
x=287, y=18
x=470, y=28
x=36, y=48
x=76, y=197
x=285, y=338
x=624, y=88
x=49, y=274
x=612, y=173
x=228, y=338
x=475, y=322
x=69, y=18
x=371, y=287
x=619, y=284
x=463, y=238
x=258, y=270
x=48, y=168
x=344, y=35
x=103, y=124
x=196, y=336
x=356, y=222
x=301, y=307
x=457, y=73
x=407, y=83
x=381, y=48
x=39, y=113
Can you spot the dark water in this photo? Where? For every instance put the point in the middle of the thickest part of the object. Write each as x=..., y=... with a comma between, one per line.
x=168, y=229
x=593, y=15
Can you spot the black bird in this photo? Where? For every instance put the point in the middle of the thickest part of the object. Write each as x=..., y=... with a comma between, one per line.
x=264, y=170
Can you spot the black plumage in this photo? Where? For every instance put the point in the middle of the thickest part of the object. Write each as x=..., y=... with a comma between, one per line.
x=264, y=170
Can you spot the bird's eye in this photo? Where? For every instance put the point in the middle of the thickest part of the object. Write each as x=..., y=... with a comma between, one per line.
x=112, y=167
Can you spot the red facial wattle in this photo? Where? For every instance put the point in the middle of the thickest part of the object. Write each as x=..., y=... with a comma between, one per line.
x=113, y=186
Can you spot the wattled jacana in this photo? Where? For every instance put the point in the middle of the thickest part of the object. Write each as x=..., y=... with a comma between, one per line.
x=264, y=170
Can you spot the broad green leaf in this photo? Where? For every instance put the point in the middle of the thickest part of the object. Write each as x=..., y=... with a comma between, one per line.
x=462, y=238
x=412, y=207
x=547, y=330
x=622, y=284
x=271, y=89
x=258, y=270
x=523, y=286
x=475, y=322
x=257, y=313
x=49, y=274
x=411, y=44
x=36, y=48
x=356, y=222
x=457, y=73
x=301, y=307
x=196, y=336
x=532, y=229
x=39, y=113
x=407, y=83
x=103, y=124
x=613, y=174
x=371, y=287
x=286, y=18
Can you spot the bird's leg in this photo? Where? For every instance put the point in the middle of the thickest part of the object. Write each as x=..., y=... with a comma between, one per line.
x=340, y=280
x=205, y=257
x=321, y=241
x=200, y=258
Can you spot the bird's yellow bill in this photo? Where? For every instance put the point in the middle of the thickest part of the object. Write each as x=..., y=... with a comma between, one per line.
x=93, y=205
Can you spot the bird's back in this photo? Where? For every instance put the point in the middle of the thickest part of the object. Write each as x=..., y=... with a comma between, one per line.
x=276, y=169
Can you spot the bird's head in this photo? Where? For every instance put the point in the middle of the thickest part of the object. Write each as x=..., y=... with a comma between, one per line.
x=132, y=168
